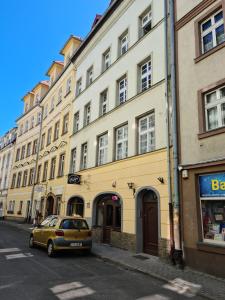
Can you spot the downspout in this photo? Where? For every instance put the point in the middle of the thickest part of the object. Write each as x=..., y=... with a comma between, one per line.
x=177, y=255
x=36, y=164
x=167, y=104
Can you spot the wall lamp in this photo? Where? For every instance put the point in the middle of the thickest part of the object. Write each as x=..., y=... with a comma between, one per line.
x=131, y=186
x=161, y=179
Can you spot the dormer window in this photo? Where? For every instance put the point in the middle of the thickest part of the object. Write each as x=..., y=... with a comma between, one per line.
x=37, y=99
x=26, y=107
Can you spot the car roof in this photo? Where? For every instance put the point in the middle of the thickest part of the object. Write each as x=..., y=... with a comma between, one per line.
x=68, y=217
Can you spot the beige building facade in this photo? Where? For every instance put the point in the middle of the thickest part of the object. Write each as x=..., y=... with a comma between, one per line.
x=201, y=105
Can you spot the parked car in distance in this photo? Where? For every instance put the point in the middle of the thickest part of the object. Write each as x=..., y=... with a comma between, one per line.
x=62, y=233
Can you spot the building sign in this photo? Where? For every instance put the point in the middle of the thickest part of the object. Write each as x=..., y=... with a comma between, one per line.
x=73, y=179
x=212, y=185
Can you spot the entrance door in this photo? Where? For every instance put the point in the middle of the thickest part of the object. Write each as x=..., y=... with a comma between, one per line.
x=108, y=223
x=150, y=227
x=49, y=206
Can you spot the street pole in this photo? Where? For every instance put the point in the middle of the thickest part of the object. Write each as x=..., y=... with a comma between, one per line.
x=36, y=164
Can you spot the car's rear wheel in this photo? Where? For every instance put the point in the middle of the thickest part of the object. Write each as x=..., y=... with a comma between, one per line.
x=31, y=241
x=50, y=249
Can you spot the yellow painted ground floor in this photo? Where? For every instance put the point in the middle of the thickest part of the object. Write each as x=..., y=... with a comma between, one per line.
x=125, y=202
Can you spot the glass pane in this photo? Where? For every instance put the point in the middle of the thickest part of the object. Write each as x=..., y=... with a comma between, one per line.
x=218, y=17
x=143, y=143
x=220, y=37
x=100, y=216
x=211, y=98
x=109, y=215
x=223, y=113
x=207, y=42
x=212, y=116
x=222, y=92
x=143, y=124
x=206, y=25
x=118, y=217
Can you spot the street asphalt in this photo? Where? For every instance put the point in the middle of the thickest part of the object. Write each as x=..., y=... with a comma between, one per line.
x=29, y=274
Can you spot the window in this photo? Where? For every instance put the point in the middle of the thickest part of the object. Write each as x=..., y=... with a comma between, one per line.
x=39, y=174
x=18, y=179
x=31, y=178
x=103, y=102
x=122, y=142
x=73, y=160
x=28, y=149
x=32, y=122
x=212, y=31
x=106, y=60
x=26, y=126
x=20, y=208
x=17, y=154
x=38, y=118
x=21, y=129
x=42, y=141
x=13, y=181
x=79, y=87
x=68, y=86
x=102, y=149
x=145, y=76
x=52, y=104
x=146, y=133
x=89, y=76
x=76, y=122
x=61, y=165
x=123, y=43
x=84, y=156
x=87, y=114
x=122, y=90
x=37, y=99
x=25, y=174
x=58, y=204
x=215, y=109
x=52, y=170
x=145, y=22
x=45, y=111
x=49, y=136
x=65, y=124
x=60, y=95
x=45, y=171
x=23, y=152
x=7, y=161
x=35, y=146
x=56, y=131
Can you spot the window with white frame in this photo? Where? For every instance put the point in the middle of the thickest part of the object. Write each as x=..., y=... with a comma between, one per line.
x=146, y=22
x=23, y=152
x=37, y=99
x=61, y=165
x=122, y=142
x=56, y=131
x=26, y=126
x=25, y=175
x=89, y=76
x=76, y=122
x=32, y=122
x=35, y=146
x=73, y=160
x=102, y=149
x=212, y=31
x=123, y=43
x=60, y=95
x=87, y=114
x=31, y=178
x=122, y=90
x=52, y=170
x=65, y=124
x=49, y=136
x=45, y=111
x=104, y=102
x=68, y=86
x=145, y=75
x=28, y=149
x=21, y=129
x=38, y=118
x=79, y=87
x=215, y=109
x=146, y=139
x=13, y=181
x=19, y=179
x=52, y=104
x=84, y=149
x=17, y=154
x=106, y=60
x=42, y=141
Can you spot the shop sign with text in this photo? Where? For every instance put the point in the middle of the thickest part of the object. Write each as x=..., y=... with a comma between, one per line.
x=212, y=185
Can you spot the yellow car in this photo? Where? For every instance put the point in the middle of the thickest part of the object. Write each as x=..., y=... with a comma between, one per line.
x=62, y=233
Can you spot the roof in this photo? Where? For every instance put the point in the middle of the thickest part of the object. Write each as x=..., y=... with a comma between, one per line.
x=55, y=62
x=67, y=42
x=97, y=18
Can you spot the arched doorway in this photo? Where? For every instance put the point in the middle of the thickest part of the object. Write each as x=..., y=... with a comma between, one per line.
x=75, y=206
x=147, y=221
x=49, y=206
x=107, y=211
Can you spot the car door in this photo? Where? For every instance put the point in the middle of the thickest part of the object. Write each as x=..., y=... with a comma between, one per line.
x=48, y=231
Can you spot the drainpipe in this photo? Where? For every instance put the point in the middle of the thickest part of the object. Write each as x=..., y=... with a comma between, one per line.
x=36, y=164
x=177, y=253
x=167, y=104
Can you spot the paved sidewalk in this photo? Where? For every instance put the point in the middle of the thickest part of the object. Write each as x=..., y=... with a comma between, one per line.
x=187, y=281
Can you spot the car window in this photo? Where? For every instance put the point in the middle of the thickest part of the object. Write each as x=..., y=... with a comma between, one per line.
x=74, y=224
x=53, y=222
x=46, y=221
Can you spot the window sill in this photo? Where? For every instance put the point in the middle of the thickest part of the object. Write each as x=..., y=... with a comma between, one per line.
x=58, y=103
x=213, y=248
x=213, y=132
x=67, y=93
x=208, y=53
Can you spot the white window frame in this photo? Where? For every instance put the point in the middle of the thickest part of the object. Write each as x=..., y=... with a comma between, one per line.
x=104, y=102
x=146, y=76
x=150, y=146
x=89, y=76
x=53, y=168
x=217, y=103
x=73, y=160
x=103, y=149
x=211, y=29
x=76, y=121
x=84, y=153
x=49, y=136
x=106, y=59
x=123, y=43
x=61, y=165
x=52, y=104
x=68, y=85
x=79, y=87
x=145, y=20
x=87, y=114
x=122, y=91
x=123, y=141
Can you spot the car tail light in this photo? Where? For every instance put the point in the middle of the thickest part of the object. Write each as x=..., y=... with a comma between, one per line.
x=89, y=233
x=59, y=233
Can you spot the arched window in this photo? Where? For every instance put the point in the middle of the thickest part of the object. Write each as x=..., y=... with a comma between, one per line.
x=75, y=207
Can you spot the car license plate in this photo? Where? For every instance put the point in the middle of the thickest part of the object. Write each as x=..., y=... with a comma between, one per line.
x=76, y=244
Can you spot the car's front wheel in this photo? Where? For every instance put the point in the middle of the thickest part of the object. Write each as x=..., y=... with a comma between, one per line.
x=50, y=249
x=31, y=241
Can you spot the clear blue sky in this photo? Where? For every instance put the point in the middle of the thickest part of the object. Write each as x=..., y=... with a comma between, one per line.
x=32, y=33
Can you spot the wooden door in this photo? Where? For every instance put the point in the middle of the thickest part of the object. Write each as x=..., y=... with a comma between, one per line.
x=108, y=223
x=150, y=227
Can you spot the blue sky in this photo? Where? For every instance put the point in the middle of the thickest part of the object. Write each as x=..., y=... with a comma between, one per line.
x=32, y=33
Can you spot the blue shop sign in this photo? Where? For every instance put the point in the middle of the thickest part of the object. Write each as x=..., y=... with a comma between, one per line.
x=212, y=185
